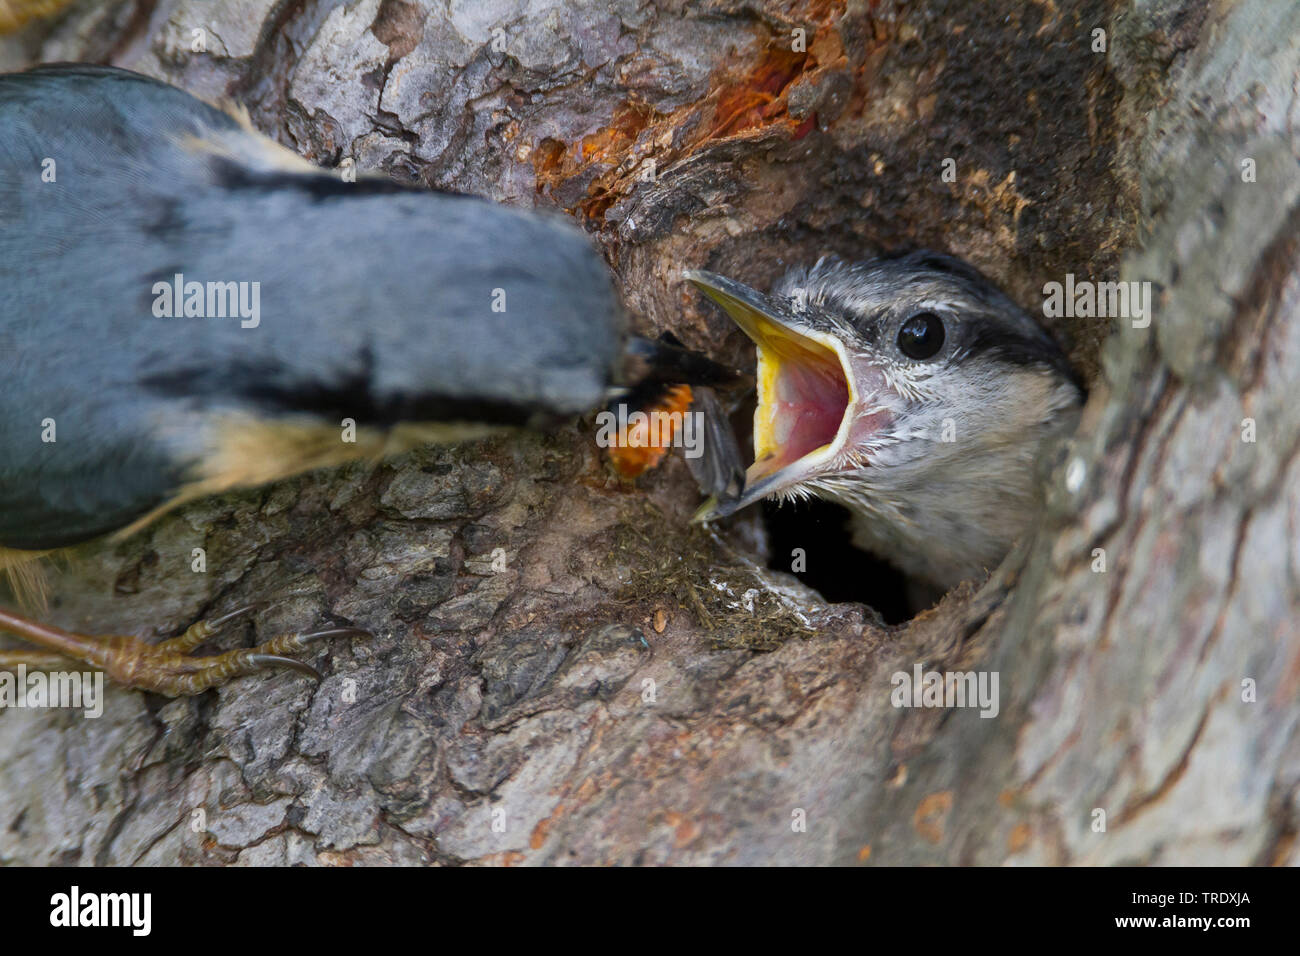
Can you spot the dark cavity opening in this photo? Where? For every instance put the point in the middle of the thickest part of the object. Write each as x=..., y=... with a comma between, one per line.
x=832, y=565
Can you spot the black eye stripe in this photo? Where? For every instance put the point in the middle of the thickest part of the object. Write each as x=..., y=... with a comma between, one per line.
x=921, y=336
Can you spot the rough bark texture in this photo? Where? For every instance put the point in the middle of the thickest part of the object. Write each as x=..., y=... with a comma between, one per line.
x=508, y=715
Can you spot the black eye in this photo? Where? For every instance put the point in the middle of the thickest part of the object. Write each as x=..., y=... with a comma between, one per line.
x=921, y=336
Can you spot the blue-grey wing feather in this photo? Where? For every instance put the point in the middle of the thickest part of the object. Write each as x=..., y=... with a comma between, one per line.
x=389, y=304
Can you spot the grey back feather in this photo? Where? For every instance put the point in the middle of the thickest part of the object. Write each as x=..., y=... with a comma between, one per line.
x=376, y=302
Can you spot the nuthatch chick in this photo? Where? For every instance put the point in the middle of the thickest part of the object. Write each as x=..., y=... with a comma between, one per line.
x=912, y=391
x=190, y=308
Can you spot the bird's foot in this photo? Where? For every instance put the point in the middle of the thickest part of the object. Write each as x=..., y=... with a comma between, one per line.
x=167, y=667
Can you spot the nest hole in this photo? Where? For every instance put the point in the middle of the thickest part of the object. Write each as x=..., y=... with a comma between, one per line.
x=830, y=564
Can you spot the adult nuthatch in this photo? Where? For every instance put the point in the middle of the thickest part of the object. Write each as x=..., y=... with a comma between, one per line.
x=912, y=391
x=190, y=308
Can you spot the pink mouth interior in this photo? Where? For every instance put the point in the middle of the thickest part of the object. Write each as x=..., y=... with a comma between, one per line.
x=805, y=413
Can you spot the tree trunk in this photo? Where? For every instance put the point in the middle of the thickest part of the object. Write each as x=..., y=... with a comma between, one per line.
x=564, y=669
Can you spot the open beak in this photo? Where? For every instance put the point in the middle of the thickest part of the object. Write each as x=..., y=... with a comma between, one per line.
x=806, y=394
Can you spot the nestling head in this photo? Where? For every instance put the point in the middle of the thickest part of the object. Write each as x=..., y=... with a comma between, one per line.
x=909, y=389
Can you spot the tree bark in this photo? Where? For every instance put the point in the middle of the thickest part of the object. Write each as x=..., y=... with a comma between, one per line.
x=564, y=670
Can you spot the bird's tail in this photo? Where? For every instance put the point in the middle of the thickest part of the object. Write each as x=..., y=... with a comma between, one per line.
x=22, y=572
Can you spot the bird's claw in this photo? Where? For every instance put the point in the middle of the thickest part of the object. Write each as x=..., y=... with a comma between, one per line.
x=263, y=661
x=355, y=632
x=169, y=667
